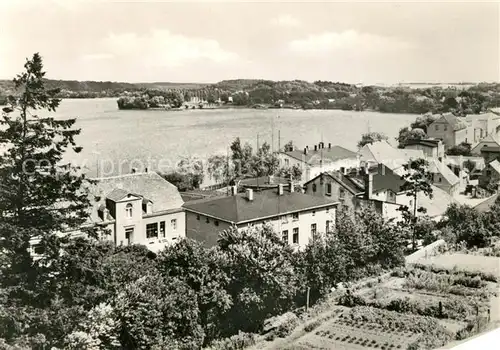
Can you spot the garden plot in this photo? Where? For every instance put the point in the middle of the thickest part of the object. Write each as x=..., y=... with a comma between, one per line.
x=367, y=328
x=464, y=262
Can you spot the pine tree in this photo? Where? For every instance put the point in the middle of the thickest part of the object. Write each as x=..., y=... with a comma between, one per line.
x=37, y=190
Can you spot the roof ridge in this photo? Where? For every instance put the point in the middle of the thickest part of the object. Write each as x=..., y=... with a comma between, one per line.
x=125, y=175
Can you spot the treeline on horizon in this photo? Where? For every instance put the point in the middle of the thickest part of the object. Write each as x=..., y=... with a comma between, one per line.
x=291, y=94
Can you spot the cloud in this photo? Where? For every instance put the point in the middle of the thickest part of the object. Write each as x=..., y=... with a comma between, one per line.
x=285, y=20
x=328, y=42
x=163, y=48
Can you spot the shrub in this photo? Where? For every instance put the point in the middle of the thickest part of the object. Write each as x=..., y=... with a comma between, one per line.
x=311, y=326
x=236, y=342
x=287, y=327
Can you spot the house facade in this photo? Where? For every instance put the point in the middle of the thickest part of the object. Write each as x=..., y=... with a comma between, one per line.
x=443, y=177
x=432, y=148
x=490, y=176
x=295, y=216
x=319, y=159
x=138, y=208
x=451, y=130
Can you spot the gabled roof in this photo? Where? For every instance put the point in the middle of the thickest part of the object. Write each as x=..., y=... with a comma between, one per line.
x=438, y=204
x=327, y=155
x=118, y=194
x=350, y=183
x=238, y=209
x=384, y=153
x=437, y=167
x=150, y=186
x=455, y=122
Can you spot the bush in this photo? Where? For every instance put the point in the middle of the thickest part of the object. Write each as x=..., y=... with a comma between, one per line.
x=236, y=342
x=287, y=327
x=313, y=325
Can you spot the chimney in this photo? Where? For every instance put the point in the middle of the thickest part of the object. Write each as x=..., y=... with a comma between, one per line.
x=105, y=214
x=145, y=170
x=315, y=147
x=249, y=194
x=280, y=189
x=305, y=150
x=290, y=183
x=329, y=145
x=368, y=185
x=234, y=190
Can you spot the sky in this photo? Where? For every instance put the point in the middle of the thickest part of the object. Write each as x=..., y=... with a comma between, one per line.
x=204, y=42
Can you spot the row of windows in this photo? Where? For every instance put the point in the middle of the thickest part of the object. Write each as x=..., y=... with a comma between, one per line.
x=295, y=235
x=445, y=127
x=207, y=220
x=152, y=229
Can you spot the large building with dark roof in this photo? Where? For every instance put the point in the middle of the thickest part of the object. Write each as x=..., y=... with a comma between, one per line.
x=318, y=159
x=451, y=130
x=295, y=216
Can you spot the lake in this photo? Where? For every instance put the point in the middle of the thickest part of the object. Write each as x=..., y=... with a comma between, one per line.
x=115, y=141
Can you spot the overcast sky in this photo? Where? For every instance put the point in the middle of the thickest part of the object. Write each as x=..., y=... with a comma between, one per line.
x=144, y=41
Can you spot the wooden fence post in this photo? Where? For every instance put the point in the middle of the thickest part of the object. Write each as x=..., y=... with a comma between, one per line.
x=307, y=298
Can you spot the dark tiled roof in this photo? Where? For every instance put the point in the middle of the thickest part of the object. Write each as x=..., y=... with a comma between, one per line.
x=149, y=185
x=350, y=183
x=387, y=180
x=424, y=142
x=238, y=209
x=117, y=194
x=328, y=155
x=486, y=205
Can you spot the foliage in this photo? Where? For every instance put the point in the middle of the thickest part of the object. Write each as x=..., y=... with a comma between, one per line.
x=463, y=149
x=158, y=312
x=246, y=163
x=423, y=122
x=146, y=99
x=218, y=168
x=202, y=270
x=371, y=137
x=238, y=341
x=188, y=175
x=467, y=225
x=295, y=171
x=263, y=280
x=406, y=134
x=417, y=179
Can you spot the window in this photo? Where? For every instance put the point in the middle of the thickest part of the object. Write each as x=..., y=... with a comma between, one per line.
x=439, y=179
x=411, y=203
x=327, y=210
x=284, y=218
x=295, y=216
x=314, y=187
x=436, y=127
x=445, y=127
x=152, y=230
x=162, y=229
x=341, y=194
x=207, y=220
x=284, y=236
x=313, y=213
x=313, y=229
x=327, y=226
x=197, y=217
x=173, y=223
x=129, y=235
x=216, y=223
x=128, y=210
x=328, y=189
x=287, y=162
x=295, y=237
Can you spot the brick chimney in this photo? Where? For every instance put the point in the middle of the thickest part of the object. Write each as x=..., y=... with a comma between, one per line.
x=249, y=194
x=280, y=189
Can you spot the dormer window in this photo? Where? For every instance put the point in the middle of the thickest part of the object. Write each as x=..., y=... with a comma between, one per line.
x=128, y=210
